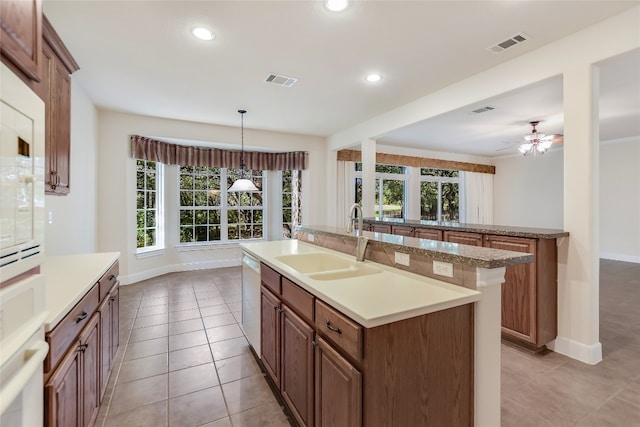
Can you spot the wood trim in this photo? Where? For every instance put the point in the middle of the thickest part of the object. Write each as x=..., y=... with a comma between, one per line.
x=56, y=44
x=424, y=162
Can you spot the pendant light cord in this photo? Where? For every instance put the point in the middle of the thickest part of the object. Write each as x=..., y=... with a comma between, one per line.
x=242, y=112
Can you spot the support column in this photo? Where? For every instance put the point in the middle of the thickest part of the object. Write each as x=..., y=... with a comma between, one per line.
x=487, y=351
x=368, y=177
x=578, y=255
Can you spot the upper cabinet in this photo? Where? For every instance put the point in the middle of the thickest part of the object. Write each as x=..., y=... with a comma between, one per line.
x=21, y=36
x=55, y=90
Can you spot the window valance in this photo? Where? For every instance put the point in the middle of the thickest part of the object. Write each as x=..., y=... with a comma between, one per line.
x=174, y=154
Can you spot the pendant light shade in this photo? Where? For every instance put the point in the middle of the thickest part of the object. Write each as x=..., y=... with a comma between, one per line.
x=243, y=183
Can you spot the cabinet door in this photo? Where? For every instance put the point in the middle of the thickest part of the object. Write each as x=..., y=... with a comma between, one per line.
x=21, y=35
x=297, y=366
x=425, y=233
x=270, y=334
x=105, y=344
x=63, y=394
x=381, y=228
x=90, y=370
x=518, y=289
x=463, y=238
x=59, y=128
x=115, y=321
x=402, y=230
x=338, y=389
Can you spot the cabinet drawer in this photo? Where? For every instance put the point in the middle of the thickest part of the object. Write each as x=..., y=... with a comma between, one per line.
x=424, y=233
x=339, y=329
x=63, y=335
x=298, y=299
x=401, y=230
x=108, y=280
x=270, y=278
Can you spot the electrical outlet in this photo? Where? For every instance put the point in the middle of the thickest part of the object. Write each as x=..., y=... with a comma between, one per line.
x=443, y=268
x=402, y=258
x=311, y=237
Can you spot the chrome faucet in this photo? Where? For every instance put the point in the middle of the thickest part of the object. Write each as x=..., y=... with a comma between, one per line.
x=355, y=208
x=362, y=241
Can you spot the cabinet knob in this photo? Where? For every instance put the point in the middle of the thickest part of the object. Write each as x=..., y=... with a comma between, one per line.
x=112, y=298
x=81, y=317
x=280, y=311
x=111, y=277
x=333, y=328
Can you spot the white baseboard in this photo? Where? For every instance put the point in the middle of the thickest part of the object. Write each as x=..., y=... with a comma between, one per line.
x=130, y=279
x=620, y=257
x=591, y=354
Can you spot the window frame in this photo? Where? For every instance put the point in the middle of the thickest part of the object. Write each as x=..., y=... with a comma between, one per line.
x=440, y=180
x=159, y=227
x=380, y=178
x=295, y=207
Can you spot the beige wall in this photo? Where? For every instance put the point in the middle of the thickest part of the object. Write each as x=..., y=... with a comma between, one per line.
x=73, y=226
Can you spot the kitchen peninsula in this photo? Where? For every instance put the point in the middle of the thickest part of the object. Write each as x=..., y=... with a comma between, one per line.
x=368, y=344
x=529, y=294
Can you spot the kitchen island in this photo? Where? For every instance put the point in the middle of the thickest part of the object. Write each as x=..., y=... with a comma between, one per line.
x=367, y=344
x=529, y=293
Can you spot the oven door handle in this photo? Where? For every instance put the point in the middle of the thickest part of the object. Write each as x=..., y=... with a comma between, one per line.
x=12, y=388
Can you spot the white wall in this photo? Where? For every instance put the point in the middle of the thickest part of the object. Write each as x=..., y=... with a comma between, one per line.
x=116, y=180
x=528, y=192
x=73, y=228
x=620, y=201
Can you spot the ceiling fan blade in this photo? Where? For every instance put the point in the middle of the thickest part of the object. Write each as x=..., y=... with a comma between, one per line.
x=556, y=138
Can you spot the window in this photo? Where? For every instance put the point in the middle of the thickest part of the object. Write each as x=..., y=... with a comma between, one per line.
x=209, y=214
x=149, y=220
x=390, y=190
x=291, y=206
x=439, y=195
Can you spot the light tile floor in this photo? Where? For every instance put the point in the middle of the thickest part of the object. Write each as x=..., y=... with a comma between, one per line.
x=183, y=361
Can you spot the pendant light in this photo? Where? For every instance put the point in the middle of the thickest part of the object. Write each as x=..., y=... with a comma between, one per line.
x=242, y=184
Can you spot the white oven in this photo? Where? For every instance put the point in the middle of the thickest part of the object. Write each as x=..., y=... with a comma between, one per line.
x=22, y=293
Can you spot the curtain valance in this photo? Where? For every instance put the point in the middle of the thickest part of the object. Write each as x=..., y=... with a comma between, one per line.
x=174, y=154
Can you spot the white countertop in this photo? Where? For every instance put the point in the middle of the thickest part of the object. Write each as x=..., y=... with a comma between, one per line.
x=371, y=300
x=68, y=278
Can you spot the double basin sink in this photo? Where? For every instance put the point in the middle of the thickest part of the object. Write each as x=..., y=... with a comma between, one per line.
x=326, y=266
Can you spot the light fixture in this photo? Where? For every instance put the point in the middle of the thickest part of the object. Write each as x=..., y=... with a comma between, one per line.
x=536, y=143
x=203, y=34
x=242, y=184
x=336, y=5
x=373, y=78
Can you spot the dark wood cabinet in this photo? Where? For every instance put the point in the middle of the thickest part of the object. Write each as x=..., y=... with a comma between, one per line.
x=425, y=233
x=338, y=394
x=402, y=230
x=377, y=228
x=55, y=91
x=297, y=366
x=72, y=392
x=529, y=300
x=270, y=334
x=463, y=238
x=109, y=336
x=21, y=36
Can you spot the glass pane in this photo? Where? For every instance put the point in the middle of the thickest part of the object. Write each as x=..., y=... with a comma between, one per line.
x=245, y=232
x=438, y=172
x=214, y=217
x=140, y=239
x=389, y=169
x=358, y=166
x=393, y=198
x=150, y=237
x=151, y=218
x=200, y=217
x=140, y=219
x=151, y=181
x=186, y=198
x=214, y=182
x=358, y=190
x=151, y=166
x=140, y=200
x=257, y=216
x=200, y=198
x=186, y=170
x=200, y=234
x=257, y=232
x=214, y=198
x=286, y=200
x=429, y=201
x=232, y=216
x=245, y=199
x=232, y=199
x=286, y=215
x=151, y=199
x=186, y=217
x=233, y=232
x=140, y=180
x=186, y=234
x=256, y=199
x=139, y=165
x=201, y=183
x=186, y=182
x=244, y=216
x=214, y=233
x=450, y=206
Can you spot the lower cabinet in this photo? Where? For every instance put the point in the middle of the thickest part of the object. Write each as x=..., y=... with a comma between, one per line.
x=270, y=334
x=72, y=392
x=463, y=238
x=109, y=336
x=338, y=389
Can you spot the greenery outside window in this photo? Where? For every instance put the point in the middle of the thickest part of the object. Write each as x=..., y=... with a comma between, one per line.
x=390, y=190
x=439, y=195
x=149, y=213
x=291, y=201
x=209, y=214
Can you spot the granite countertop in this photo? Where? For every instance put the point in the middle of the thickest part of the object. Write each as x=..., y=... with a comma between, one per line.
x=474, y=256
x=68, y=278
x=502, y=230
x=373, y=300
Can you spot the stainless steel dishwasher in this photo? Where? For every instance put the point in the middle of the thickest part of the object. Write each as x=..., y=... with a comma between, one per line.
x=251, y=300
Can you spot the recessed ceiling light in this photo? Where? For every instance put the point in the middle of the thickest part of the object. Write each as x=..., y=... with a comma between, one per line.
x=373, y=78
x=336, y=5
x=203, y=34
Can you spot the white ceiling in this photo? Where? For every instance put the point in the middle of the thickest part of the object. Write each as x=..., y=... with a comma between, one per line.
x=139, y=57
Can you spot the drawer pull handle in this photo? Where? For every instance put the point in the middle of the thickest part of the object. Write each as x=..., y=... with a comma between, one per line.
x=112, y=277
x=112, y=298
x=83, y=347
x=81, y=317
x=333, y=328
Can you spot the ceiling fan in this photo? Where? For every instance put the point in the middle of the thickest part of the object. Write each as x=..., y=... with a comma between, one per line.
x=537, y=142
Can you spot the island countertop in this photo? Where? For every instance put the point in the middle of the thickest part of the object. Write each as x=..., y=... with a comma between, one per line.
x=68, y=278
x=502, y=230
x=371, y=300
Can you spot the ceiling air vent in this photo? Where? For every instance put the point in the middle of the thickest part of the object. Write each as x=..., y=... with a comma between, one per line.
x=483, y=109
x=510, y=42
x=280, y=80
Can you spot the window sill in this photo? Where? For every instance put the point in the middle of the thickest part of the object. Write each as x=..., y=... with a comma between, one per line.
x=149, y=252
x=205, y=246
